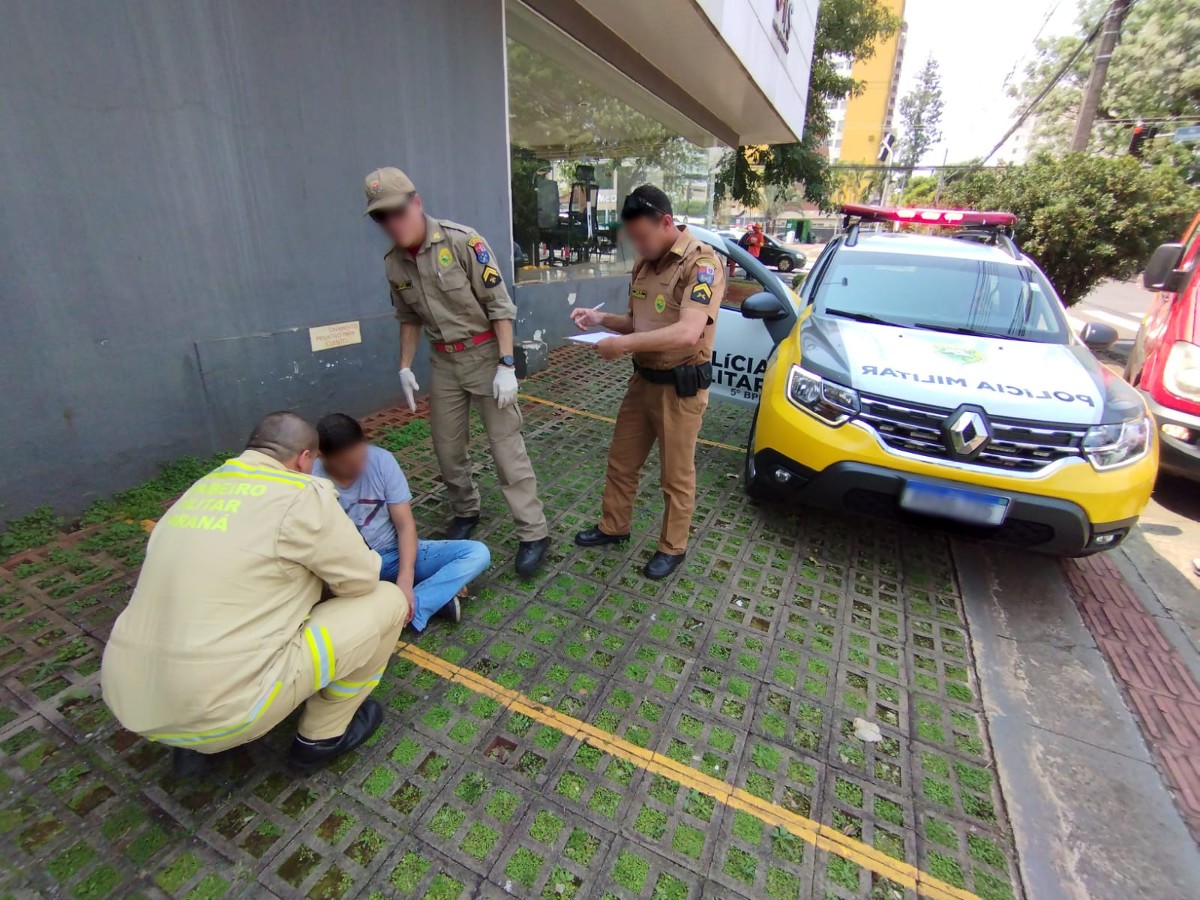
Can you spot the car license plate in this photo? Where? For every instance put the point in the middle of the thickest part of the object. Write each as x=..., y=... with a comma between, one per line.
x=954, y=503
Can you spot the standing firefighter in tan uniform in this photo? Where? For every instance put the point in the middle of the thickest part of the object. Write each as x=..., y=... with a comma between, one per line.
x=224, y=635
x=444, y=278
x=674, y=296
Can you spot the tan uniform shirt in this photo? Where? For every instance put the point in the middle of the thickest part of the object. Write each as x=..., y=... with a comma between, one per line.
x=686, y=276
x=231, y=573
x=452, y=286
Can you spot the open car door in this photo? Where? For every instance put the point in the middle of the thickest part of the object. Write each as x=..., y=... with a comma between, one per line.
x=758, y=312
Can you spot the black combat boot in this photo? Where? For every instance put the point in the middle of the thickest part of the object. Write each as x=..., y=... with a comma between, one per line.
x=307, y=756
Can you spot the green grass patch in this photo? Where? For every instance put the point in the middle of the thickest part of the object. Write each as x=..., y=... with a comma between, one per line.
x=409, y=872
x=502, y=805
x=604, y=802
x=523, y=866
x=747, y=827
x=740, y=865
x=446, y=821
x=581, y=847
x=630, y=871
x=472, y=787
x=545, y=827
x=651, y=823
x=479, y=840
x=843, y=872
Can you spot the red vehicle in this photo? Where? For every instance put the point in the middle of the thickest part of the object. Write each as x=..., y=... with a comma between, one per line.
x=1165, y=362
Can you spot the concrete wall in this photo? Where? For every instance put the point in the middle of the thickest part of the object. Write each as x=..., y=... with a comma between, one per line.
x=181, y=190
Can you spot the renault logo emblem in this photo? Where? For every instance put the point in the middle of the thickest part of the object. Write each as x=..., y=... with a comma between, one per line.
x=967, y=431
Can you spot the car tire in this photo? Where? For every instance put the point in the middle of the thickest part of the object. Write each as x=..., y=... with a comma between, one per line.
x=786, y=264
x=755, y=487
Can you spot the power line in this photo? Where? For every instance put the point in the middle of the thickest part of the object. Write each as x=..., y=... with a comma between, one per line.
x=1036, y=38
x=1053, y=83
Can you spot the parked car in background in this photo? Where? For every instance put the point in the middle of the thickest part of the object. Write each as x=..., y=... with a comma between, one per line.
x=775, y=254
x=1165, y=362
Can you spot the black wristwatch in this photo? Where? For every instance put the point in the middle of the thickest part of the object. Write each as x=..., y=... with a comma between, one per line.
x=508, y=361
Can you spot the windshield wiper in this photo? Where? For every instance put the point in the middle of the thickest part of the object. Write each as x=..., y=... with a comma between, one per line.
x=958, y=329
x=861, y=317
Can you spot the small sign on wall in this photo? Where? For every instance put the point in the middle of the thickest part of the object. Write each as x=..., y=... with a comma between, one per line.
x=341, y=334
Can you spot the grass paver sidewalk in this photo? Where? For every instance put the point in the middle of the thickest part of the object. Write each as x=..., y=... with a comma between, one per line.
x=749, y=666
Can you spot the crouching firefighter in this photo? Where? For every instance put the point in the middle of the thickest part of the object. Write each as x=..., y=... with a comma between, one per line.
x=225, y=634
x=675, y=294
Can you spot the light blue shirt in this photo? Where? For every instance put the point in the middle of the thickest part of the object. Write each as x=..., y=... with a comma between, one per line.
x=366, y=500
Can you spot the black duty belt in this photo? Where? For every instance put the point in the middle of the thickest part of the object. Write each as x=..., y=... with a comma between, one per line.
x=688, y=379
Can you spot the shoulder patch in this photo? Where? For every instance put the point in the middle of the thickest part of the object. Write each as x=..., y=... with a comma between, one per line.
x=491, y=277
x=479, y=248
x=706, y=271
x=701, y=293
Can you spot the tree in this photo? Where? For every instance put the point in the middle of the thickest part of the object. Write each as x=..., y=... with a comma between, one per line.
x=919, y=191
x=920, y=118
x=777, y=198
x=1083, y=217
x=1155, y=74
x=845, y=28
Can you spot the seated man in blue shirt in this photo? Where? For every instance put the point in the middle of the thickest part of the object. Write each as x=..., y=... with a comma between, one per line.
x=374, y=493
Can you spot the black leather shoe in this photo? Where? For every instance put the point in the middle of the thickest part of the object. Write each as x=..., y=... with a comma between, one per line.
x=308, y=756
x=188, y=763
x=531, y=555
x=462, y=526
x=662, y=564
x=594, y=537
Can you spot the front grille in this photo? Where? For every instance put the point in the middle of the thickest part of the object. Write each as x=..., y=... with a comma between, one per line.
x=1014, y=446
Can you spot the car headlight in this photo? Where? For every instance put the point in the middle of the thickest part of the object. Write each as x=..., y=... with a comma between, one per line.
x=1110, y=446
x=1181, y=374
x=827, y=401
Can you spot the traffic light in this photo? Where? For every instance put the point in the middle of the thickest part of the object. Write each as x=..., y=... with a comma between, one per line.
x=1141, y=133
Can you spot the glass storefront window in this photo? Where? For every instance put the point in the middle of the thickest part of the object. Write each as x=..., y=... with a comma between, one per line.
x=577, y=150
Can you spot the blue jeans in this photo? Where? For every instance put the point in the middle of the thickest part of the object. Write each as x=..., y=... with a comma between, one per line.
x=442, y=568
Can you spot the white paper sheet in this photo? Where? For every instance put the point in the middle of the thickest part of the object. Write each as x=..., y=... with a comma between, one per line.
x=590, y=337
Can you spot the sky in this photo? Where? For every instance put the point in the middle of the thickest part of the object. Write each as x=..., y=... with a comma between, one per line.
x=977, y=43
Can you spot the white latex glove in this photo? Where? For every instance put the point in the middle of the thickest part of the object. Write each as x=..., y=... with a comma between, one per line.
x=504, y=386
x=408, y=384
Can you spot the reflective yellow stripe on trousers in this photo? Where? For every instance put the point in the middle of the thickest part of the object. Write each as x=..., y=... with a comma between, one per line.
x=347, y=689
x=324, y=662
x=222, y=733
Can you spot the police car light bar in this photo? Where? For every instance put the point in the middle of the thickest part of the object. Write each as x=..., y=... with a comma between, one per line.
x=950, y=218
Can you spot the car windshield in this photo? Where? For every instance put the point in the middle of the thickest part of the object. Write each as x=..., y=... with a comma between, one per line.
x=965, y=296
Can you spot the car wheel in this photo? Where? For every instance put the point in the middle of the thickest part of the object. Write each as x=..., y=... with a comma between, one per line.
x=786, y=264
x=755, y=487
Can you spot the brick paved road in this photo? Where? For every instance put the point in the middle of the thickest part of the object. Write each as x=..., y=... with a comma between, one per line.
x=745, y=671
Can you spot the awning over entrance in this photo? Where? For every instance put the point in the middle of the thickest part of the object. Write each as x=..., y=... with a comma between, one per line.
x=736, y=70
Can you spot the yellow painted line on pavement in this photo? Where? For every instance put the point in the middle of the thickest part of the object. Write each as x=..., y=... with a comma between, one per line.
x=820, y=836
x=610, y=420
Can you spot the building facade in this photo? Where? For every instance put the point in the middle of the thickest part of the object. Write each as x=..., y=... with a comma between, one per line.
x=182, y=246
x=861, y=121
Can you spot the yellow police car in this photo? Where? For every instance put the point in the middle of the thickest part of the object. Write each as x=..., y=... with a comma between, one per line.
x=933, y=378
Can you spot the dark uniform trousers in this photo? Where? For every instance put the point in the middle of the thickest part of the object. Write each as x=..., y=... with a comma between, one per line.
x=649, y=413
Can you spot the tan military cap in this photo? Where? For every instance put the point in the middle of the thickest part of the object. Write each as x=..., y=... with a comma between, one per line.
x=387, y=188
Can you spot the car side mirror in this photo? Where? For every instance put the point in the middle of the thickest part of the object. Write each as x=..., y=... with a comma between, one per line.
x=1162, y=272
x=763, y=305
x=1098, y=336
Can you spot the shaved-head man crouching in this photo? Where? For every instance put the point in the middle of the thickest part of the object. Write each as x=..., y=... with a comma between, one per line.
x=225, y=634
